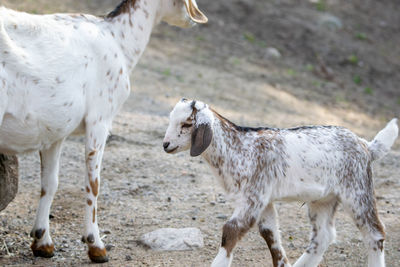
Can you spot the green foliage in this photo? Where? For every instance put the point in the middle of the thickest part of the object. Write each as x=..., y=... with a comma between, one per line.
x=317, y=83
x=248, y=36
x=167, y=72
x=321, y=5
x=368, y=90
x=361, y=36
x=353, y=59
x=357, y=79
x=291, y=72
x=200, y=38
x=340, y=99
x=236, y=61
x=262, y=44
x=309, y=67
x=251, y=38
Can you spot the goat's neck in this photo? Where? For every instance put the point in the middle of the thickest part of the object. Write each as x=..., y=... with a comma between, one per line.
x=133, y=26
x=225, y=151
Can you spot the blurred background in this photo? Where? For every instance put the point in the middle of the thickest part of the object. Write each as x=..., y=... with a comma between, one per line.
x=275, y=63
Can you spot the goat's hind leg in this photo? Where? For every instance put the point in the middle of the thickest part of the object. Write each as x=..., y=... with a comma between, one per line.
x=42, y=245
x=365, y=215
x=321, y=214
x=269, y=230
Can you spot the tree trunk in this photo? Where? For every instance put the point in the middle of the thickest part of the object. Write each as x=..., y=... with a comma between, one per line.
x=8, y=179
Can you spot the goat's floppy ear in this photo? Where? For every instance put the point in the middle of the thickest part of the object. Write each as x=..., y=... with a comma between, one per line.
x=194, y=12
x=201, y=139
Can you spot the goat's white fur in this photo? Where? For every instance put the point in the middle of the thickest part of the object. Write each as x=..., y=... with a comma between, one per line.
x=318, y=165
x=69, y=73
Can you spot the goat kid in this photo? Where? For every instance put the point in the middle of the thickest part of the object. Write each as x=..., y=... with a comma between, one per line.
x=69, y=73
x=319, y=165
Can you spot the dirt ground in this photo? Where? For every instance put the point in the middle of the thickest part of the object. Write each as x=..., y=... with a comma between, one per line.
x=345, y=76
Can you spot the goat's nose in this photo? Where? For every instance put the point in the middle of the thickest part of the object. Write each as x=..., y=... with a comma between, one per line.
x=165, y=145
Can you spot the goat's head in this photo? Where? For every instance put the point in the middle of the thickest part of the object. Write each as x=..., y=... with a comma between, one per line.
x=182, y=13
x=190, y=126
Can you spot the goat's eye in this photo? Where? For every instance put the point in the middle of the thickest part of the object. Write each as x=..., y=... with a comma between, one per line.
x=186, y=125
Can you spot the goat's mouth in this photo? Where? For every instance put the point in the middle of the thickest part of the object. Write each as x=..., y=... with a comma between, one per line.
x=170, y=151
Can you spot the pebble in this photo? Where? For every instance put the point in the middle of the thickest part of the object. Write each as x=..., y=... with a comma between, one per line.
x=222, y=216
x=342, y=257
x=109, y=247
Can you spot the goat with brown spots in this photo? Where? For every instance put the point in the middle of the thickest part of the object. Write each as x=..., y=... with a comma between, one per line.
x=319, y=165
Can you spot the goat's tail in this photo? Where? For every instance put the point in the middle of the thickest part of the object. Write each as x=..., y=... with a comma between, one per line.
x=384, y=140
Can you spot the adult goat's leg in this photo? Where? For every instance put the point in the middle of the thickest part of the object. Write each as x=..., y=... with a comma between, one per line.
x=96, y=135
x=269, y=230
x=42, y=245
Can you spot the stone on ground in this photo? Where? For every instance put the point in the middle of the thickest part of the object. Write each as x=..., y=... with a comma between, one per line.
x=168, y=239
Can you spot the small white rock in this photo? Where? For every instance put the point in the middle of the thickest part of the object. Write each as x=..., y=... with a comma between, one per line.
x=329, y=21
x=272, y=52
x=168, y=239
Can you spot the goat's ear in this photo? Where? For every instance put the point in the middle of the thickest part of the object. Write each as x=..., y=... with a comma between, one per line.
x=201, y=139
x=194, y=12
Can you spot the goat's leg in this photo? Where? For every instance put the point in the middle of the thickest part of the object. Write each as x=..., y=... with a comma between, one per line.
x=42, y=245
x=269, y=230
x=96, y=136
x=321, y=215
x=364, y=213
x=241, y=221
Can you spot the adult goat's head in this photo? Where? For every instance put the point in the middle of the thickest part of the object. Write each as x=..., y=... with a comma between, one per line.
x=182, y=13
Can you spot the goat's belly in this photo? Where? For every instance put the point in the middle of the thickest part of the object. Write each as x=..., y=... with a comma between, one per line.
x=304, y=192
x=23, y=136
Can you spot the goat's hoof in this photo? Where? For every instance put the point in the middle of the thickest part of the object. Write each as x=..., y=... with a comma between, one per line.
x=44, y=251
x=97, y=255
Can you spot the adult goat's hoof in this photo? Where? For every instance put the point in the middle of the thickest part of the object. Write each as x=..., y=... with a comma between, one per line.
x=98, y=255
x=44, y=251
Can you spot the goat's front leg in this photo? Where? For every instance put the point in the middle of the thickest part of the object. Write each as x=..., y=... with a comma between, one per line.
x=42, y=245
x=96, y=135
x=269, y=230
x=243, y=218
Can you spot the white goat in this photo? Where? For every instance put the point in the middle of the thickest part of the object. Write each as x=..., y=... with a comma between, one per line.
x=318, y=165
x=69, y=73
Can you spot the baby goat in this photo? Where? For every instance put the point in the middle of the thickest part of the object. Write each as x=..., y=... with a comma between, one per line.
x=318, y=165
x=69, y=73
